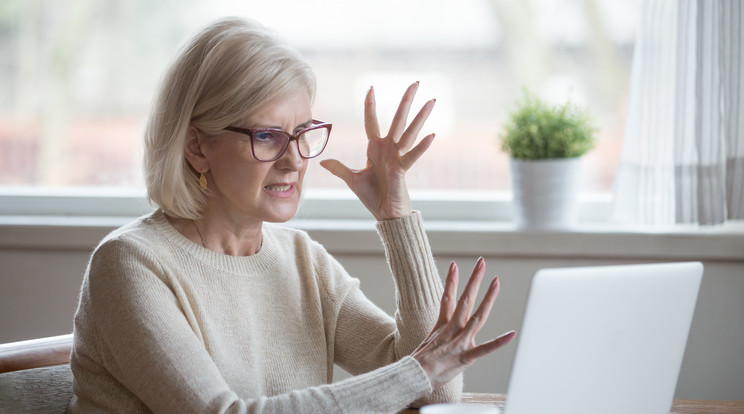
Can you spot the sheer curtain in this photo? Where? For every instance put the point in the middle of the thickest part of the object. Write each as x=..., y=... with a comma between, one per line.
x=683, y=149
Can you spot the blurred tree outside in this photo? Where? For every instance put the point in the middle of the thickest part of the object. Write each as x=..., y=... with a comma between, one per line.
x=77, y=78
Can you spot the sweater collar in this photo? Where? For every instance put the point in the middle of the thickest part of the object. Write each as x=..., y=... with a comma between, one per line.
x=265, y=259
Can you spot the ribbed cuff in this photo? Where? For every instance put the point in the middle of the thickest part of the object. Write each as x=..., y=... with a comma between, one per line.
x=411, y=262
x=384, y=390
x=450, y=392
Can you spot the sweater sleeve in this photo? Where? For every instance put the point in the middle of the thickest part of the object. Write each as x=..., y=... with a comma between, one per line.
x=361, y=330
x=149, y=348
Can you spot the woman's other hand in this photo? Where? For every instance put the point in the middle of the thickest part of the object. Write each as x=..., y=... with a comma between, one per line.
x=381, y=185
x=450, y=348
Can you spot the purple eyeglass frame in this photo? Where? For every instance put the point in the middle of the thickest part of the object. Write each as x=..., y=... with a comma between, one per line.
x=316, y=124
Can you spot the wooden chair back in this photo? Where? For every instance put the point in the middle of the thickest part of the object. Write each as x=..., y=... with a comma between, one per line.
x=35, y=353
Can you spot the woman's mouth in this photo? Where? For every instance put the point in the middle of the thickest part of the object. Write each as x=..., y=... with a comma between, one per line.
x=280, y=188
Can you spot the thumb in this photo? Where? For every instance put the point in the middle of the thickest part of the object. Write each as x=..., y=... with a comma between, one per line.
x=338, y=169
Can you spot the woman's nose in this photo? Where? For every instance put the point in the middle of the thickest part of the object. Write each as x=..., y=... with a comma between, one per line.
x=291, y=157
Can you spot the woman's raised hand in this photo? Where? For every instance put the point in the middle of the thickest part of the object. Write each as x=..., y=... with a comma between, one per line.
x=381, y=185
x=450, y=347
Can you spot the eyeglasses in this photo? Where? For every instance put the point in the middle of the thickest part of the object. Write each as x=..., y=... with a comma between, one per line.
x=269, y=144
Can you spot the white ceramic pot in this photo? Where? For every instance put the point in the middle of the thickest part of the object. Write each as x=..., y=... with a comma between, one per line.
x=545, y=193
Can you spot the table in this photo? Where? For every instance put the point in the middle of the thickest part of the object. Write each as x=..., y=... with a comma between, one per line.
x=678, y=406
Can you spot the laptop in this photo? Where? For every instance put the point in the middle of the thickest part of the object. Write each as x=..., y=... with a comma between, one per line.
x=603, y=340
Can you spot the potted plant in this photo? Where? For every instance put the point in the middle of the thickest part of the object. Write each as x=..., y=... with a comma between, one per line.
x=545, y=143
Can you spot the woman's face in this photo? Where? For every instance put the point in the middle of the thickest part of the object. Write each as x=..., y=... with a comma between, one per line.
x=242, y=187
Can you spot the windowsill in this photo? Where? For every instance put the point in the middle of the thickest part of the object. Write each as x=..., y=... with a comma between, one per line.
x=458, y=223
x=503, y=239
x=470, y=238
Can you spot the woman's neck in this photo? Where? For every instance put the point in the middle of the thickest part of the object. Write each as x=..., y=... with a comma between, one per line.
x=221, y=235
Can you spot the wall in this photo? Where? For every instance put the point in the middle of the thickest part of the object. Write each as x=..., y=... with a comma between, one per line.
x=41, y=268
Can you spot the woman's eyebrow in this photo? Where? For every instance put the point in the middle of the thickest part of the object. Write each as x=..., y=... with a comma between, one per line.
x=304, y=125
x=297, y=128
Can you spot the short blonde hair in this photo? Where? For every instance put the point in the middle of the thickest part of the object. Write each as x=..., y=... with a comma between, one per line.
x=225, y=74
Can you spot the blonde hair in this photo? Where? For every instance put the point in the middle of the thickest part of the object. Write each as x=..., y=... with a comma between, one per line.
x=225, y=74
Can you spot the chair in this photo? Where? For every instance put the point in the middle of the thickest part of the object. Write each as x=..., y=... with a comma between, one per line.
x=35, y=375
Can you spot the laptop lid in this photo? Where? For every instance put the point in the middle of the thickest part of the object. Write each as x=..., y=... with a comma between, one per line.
x=606, y=339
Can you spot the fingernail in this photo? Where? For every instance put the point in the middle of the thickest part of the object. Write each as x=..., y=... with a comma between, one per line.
x=452, y=266
x=495, y=281
x=481, y=262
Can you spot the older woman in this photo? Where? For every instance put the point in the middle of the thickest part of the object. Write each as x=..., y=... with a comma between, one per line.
x=206, y=306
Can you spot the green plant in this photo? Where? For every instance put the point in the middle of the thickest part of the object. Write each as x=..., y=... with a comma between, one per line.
x=538, y=130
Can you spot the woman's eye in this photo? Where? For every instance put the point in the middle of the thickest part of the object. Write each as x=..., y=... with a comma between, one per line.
x=266, y=136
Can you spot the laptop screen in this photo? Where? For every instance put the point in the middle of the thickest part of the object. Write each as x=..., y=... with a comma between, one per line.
x=606, y=339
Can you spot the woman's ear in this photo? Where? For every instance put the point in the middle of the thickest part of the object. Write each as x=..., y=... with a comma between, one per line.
x=192, y=151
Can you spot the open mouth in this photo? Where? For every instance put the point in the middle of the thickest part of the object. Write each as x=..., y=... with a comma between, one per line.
x=279, y=188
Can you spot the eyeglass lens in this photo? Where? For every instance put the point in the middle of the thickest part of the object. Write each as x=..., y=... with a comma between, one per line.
x=270, y=145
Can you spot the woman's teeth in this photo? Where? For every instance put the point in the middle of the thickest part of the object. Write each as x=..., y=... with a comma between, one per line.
x=278, y=187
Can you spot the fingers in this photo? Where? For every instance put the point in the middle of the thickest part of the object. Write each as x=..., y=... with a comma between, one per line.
x=449, y=301
x=467, y=299
x=450, y=348
x=480, y=316
x=410, y=158
x=409, y=136
x=401, y=115
x=339, y=170
x=487, y=347
x=477, y=321
x=371, y=125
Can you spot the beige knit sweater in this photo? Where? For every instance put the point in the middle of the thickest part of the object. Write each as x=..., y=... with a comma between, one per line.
x=167, y=326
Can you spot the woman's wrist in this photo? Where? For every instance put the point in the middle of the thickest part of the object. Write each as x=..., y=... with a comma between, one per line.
x=393, y=216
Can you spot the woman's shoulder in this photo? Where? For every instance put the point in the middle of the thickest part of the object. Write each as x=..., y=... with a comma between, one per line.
x=294, y=241
x=138, y=232
x=287, y=233
x=133, y=248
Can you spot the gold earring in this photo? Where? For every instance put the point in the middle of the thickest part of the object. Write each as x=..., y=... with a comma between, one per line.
x=202, y=181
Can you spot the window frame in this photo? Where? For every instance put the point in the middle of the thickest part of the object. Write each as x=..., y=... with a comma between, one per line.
x=457, y=225
x=33, y=203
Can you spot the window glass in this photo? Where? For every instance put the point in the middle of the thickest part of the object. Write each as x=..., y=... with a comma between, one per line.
x=77, y=78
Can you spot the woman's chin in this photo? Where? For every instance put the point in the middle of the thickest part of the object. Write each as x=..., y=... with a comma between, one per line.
x=278, y=220
x=281, y=215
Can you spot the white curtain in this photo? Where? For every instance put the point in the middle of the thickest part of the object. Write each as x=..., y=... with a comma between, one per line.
x=683, y=149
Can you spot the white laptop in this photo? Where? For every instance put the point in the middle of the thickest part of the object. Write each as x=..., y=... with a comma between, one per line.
x=603, y=340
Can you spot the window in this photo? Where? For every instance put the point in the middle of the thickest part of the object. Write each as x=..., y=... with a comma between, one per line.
x=75, y=93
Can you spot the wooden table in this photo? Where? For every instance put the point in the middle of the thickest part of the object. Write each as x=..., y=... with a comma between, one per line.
x=678, y=406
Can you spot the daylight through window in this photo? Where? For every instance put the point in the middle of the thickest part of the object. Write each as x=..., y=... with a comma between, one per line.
x=77, y=78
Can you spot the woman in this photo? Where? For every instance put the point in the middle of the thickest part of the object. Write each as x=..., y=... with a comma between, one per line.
x=205, y=306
